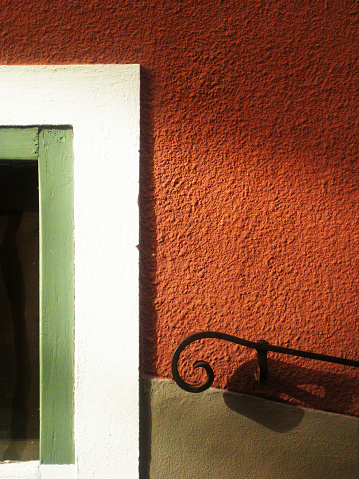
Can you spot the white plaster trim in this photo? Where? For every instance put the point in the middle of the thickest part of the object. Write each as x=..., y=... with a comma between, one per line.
x=23, y=470
x=56, y=471
x=101, y=102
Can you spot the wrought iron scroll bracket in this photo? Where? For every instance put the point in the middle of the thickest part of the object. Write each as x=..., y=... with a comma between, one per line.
x=262, y=348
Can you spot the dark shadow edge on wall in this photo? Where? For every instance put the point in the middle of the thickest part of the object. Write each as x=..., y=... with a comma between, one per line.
x=147, y=263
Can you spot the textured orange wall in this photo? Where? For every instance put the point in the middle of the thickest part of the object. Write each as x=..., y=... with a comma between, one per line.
x=249, y=174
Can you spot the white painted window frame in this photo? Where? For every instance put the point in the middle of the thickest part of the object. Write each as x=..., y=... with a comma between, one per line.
x=102, y=104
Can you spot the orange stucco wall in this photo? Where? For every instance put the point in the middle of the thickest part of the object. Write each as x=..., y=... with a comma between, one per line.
x=249, y=174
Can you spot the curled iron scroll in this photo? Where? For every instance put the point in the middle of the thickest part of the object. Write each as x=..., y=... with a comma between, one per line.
x=262, y=347
x=207, y=383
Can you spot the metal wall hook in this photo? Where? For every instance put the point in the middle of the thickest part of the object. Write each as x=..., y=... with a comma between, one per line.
x=262, y=347
x=262, y=373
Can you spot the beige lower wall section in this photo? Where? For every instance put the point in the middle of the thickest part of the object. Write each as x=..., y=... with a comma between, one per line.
x=220, y=435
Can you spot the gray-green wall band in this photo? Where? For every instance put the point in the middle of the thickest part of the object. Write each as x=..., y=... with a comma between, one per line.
x=221, y=435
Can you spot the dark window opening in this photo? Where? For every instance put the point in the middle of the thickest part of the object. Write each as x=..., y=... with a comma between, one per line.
x=19, y=311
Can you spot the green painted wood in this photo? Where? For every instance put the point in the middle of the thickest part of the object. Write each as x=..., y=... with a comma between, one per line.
x=56, y=193
x=19, y=143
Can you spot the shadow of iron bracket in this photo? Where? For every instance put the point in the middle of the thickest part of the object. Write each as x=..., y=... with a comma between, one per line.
x=261, y=347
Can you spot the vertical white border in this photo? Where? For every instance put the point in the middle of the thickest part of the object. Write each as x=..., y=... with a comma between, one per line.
x=101, y=102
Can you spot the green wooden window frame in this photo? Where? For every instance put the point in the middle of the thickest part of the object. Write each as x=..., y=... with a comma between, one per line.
x=52, y=147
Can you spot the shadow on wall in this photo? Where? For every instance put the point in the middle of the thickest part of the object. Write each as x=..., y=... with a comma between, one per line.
x=278, y=420
x=148, y=262
x=148, y=239
x=294, y=384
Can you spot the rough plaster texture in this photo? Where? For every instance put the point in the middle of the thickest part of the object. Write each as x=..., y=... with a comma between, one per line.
x=225, y=435
x=249, y=174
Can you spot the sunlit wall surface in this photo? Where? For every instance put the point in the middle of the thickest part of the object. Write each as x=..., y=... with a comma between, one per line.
x=249, y=175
